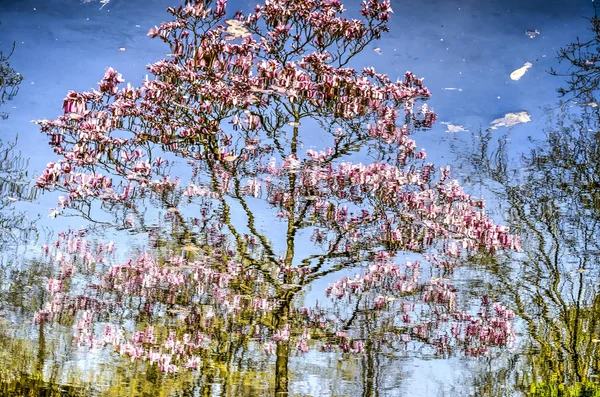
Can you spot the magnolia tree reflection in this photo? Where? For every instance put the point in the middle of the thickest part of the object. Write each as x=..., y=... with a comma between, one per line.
x=217, y=291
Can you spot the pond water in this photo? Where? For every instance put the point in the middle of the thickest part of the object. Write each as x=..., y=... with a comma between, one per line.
x=149, y=288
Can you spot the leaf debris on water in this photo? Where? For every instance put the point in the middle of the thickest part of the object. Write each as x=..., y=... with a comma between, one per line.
x=511, y=119
x=517, y=74
x=453, y=128
x=532, y=33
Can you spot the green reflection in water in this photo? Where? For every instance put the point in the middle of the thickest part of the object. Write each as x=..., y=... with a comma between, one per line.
x=586, y=389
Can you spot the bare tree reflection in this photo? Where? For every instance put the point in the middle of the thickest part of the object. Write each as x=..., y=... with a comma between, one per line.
x=14, y=180
x=552, y=198
x=583, y=62
x=15, y=186
x=23, y=351
x=9, y=80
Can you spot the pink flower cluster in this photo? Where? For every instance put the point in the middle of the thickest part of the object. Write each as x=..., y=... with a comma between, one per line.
x=380, y=275
x=243, y=78
x=476, y=335
x=171, y=354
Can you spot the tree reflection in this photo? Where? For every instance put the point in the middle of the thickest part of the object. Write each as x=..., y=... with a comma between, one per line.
x=249, y=221
x=9, y=79
x=583, y=60
x=23, y=351
x=15, y=186
x=14, y=179
x=552, y=199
